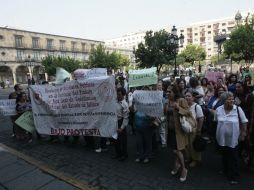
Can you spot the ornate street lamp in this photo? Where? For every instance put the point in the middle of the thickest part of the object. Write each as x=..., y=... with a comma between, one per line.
x=174, y=41
x=238, y=18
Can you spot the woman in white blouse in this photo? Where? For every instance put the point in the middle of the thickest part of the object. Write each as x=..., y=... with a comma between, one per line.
x=231, y=127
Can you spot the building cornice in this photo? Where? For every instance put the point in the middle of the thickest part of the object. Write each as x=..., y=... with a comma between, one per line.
x=13, y=29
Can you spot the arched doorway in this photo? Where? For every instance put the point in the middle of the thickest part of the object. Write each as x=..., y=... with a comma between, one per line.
x=6, y=74
x=39, y=73
x=22, y=74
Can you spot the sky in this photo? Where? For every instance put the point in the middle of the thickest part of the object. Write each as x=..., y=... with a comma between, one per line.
x=106, y=19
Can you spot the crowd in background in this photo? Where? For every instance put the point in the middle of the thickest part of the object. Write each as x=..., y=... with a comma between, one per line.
x=220, y=112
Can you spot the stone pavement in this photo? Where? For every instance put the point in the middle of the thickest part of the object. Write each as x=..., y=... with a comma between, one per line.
x=16, y=174
x=99, y=171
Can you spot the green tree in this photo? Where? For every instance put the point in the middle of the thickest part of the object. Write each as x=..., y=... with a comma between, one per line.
x=240, y=45
x=101, y=58
x=214, y=58
x=50, y=64
x=193, y=53
x=156, y=50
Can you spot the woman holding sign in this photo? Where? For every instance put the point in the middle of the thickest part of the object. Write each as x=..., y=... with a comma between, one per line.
x=22, y=105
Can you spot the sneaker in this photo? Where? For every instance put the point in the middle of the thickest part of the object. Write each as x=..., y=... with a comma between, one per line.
x=146, y=160
x=98, y=150
x=137, y=160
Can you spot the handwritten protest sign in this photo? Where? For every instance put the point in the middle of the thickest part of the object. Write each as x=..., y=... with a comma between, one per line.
x=8, y=107
x=26, y=121
x=142, y=77
x=149, y=102
x=85, y=107
x=62, y=75
x=81, y=74
x=213, y=76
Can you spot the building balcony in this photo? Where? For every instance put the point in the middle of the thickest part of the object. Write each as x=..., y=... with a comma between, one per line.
x=63, y=49
x=20, y=46
x=36, y=47
x=74, y=49
x=51, y=48
x=20, y=59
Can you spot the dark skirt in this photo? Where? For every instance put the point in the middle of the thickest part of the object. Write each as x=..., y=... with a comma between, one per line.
x=172, y=139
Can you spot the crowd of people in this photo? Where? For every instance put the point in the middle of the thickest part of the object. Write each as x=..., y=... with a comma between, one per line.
x=221, y=112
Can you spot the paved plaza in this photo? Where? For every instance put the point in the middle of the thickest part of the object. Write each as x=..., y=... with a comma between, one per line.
x=99, y=171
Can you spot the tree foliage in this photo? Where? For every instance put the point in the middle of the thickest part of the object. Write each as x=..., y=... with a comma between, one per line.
x=50, y=64
x=156, y=50
x=101, y=58
x=193, y=53
x=214, y=58
x=240, y=46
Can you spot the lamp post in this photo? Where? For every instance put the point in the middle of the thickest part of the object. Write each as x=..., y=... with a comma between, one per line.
x=174, y=41
x=219, y=39
x=30, y=64
x=238, y=18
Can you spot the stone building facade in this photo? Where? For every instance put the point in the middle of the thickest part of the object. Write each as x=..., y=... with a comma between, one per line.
x=21, y=52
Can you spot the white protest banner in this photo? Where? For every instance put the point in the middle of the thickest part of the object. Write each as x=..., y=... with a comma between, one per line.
x=81, y=74
x=149, y=102
x=8, y=107
x=86, y=107
x=62, y=75
x=142, y=77
x=26, y=121
x=213, y=76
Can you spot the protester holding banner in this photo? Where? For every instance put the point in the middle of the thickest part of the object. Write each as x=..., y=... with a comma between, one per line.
x=22, y=106
x=144, y=131
x=122, y=116
x=162, y=127
x=177, y=139
x=18, y=89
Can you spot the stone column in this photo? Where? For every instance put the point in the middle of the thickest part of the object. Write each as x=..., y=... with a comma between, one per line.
x=46, y=76
x=14, y=78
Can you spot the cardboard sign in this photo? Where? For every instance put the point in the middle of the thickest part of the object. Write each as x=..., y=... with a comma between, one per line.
x=142, y=77
x=86, y=107
x=149, y=102
x=213, y=76
x=26, y=121
x=8, y=107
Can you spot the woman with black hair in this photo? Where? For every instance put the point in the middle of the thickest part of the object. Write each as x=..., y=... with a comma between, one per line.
x=232, y=79
x=181, y=83
x=204, y=82
x=248, y=83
